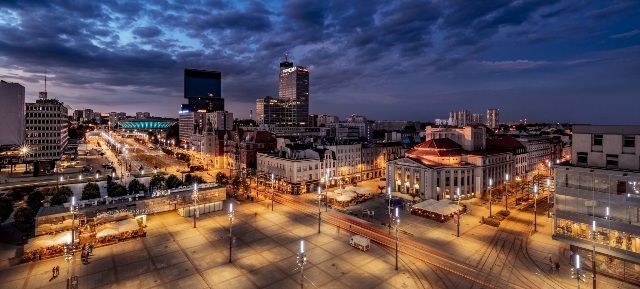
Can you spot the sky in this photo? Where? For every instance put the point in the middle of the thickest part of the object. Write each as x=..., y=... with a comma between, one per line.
x=547, y=61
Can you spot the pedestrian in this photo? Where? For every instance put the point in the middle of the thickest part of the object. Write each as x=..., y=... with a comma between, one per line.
x=53, y=272
x=57, y=270
x=557, y=267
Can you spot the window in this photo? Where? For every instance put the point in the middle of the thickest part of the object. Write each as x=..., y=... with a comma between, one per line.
x=597, y=140
x=612, y=161
x=582, y=158
x=628, y=141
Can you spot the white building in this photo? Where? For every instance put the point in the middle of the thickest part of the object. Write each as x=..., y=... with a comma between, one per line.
x=46, y=126
x=348, y=163
x=437, y=168
x=541, y=150
x=12, y=110
x=472, y=138
x=598, y=194
x=493, y=118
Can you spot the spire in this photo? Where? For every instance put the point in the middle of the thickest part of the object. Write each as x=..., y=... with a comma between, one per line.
x=286, y=56
x=45, y=80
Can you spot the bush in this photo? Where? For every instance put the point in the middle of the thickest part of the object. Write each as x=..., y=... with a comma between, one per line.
x=90, y=191
x=504, y=213
x=156, y=181
x=116, y=190
x=492, y=222
x=173, y=182
x=222, y=179
x=58, y=199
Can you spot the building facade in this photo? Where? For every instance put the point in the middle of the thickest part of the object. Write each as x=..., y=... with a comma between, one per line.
x=298, y=170
x=13, y=113
x=493, y=118
x=46, y=132
x=375, y=157
x=203, y=90
x=597, y=199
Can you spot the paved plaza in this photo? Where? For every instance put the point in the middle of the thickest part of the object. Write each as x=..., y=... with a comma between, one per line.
x=175, y=255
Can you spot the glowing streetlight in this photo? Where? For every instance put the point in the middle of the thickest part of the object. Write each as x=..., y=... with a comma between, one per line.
x=396, y=220
x=319, y=198
x=389, y=207
x=458, y=221
x=490, y=197
x=273, y=192
x=195, y=203
x=535, y=208
x=301, y=260
x=230, y=215
x=506, y=192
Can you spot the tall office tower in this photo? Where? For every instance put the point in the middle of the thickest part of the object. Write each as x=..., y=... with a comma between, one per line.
x=476, y=118
x=493, y=117
x=293, y=91
x=46, y=135
x=12, y=112
x=464, y=118
x=203, y=90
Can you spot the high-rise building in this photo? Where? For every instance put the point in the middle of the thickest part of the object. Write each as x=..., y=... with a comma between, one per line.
x=476, y=118
x=597, y=199
x=203, y=90
x=142, y=115
x=460, y=118
x=493, y=117
x=219, y=120
x=12, y=111
x=46, y=135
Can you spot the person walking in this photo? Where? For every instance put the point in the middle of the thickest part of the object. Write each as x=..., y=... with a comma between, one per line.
x=53, y=273
x=557, y=267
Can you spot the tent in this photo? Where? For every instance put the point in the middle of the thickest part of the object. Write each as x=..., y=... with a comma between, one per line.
x=46, y=241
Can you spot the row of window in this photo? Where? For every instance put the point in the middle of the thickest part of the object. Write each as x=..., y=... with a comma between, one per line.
x=611, y=160
x=628, y=141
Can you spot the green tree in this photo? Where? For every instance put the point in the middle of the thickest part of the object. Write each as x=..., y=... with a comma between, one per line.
x=188, y=179
x=6, y=207
x=136, y=186
x=23, y=220
x=172, y=182
x=116, y=190
x=58, y=199
x=65, y=190
x=156, y=181
x=34, y=201
x=90, y=191
x=222, y=179
x=197, y=180
x=236, y=183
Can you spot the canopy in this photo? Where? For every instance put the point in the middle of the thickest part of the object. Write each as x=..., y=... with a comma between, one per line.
x=115, y=228
x=442, y=207
x=45, y=241
x=402, y=196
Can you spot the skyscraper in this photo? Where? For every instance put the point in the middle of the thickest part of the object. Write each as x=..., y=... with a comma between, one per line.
x=12, y=110
x=203, y=90
x=493, y=117
x=293, y=90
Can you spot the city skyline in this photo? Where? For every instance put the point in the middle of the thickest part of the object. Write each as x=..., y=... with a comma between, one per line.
x=544, y=62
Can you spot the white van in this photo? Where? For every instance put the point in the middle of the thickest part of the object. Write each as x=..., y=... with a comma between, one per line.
x=360, y=242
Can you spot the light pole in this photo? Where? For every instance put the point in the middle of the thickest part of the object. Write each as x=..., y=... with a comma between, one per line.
x=490, y=197
x=301, y=260
x=549, y=198
x=458, y=221
x=230, y=214
x=535, y=208
x=593, y=255
x=273, y=191
x=389, y=207
x=195, y=203
x=506, y=192
x=319, y=198
x=68, y=256
x=396, y=219
x=576, y=272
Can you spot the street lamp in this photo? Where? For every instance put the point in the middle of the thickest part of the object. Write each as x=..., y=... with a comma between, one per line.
x=593, y=256
x=490, y=197
x=506, y=192
x=549, y=198
x=389, y=207
x=319, y=198
x=458, y=221
x=68, y=256
x=301, y=260
x=272, y=190
x=230, y=214
x=396, y=220
x=576, y=272
x=195, y=203
x=535, y=208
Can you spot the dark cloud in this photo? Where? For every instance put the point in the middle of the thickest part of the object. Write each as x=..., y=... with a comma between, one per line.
x=369, y=51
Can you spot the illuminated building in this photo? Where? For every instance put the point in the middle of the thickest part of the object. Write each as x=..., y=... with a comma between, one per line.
x=597, y=199
x=203, y=90
x=147, y=124
x=46, y=126
x=12, y=111
x=493, y=118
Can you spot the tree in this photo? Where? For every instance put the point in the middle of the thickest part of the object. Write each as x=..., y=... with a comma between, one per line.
x=23, y=219
x=188, y=179
x=222, y=179
x=381, y=188
x=65, y=190
x=90, y=191
x=414, y=194
x=136, y=186
x=236, y=182
x=116, y=190
x=6, y=207
x=173, y=182
x=156, y=181
x=34, y=201
x=58, y=199
x=197, y=180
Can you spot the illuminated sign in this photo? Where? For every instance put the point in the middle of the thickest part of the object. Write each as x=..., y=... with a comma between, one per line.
x=288, y=70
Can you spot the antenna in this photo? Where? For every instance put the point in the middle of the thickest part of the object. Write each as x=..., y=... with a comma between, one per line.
x=45, y=80
x=286, y=56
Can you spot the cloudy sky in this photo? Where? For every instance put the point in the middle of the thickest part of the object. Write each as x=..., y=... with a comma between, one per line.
x=575, y=61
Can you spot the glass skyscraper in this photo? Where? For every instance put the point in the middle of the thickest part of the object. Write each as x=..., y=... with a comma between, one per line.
x=202, y=89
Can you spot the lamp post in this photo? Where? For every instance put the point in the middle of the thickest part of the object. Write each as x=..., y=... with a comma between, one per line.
x=195, y=203
x=549, y=198
x=396, y=219
x=68, y=256
x=319, y=198
x=273, y=191
x=458, y=221
x=230, y=214
x=576, y=272
x=593, y=255
x=506, y=192
x=389, y=207
x=535, y=208
x=301, y=260
x=490, y=197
